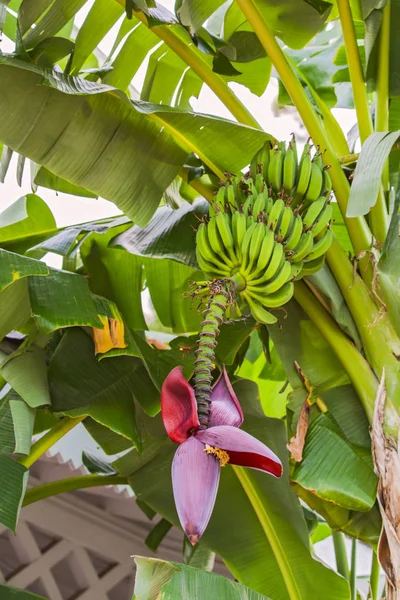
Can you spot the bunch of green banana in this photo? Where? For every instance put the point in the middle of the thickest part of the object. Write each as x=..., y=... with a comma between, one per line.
x=269, y=228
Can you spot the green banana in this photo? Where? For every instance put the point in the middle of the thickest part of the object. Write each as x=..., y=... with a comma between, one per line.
x=289, y=170
x=248, y=205
x=238, y=231
x=259, y=313
x=275, y=169
x=295, y=234
x=250, y=220
x=231, y=197
x=256, y=241
x=275, y=214
x=321, y=246
x=314, y=212
x=274, y=264
x=326, y=183
x=303, y=248
x=278, y=298
x=259, y=182
x=220, y=197
x=264, y=159
x=286, y=223
x=312, y=266
x=303, y=179
x=323, y=221
x=216, y=242
x=246, y=245
x=282, y=276
x=296, y=270
x=315, y=186
x=224, y=228
x=267, y=247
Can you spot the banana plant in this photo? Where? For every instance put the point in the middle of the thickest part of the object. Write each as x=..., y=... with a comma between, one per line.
x=289, y=248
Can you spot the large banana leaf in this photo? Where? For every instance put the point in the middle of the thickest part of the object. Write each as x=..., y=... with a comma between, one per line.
x=13, y=481
x=95, y=138
x=161, y=580
x=235, y=531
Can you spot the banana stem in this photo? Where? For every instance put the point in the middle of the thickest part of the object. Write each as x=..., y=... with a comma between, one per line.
x=340, y=553
x=183, y=46
x=51, y=437
x=378, y=214
x=382, y=84
x=53, y=488
x=204, y=189
x=220, y=296
x=355, y=365
x=358, y=229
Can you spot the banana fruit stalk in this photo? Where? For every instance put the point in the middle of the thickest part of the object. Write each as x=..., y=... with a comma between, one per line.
x=269, y=228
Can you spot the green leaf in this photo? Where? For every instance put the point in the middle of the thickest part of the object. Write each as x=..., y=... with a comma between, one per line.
x=85, y=124
x=50, y=51
x=23, y=417
x=233, y=335
x=14, y=267
x=26, y=222
x=26, y=371
x=389, y=269
x=15, y=307
x=258, y=566
x=295, y=23
x=368, y=173
x=96, y=465
x=62, y=300
x=7, y=438
x=321, y=532
x=81, y=385
x=42, y=177
x=10, y=593
x=157, y=534
x=198, y=556
x=13, y=480
x=48, y=17
x=343, y=465
x=194, y=13
x=340, y=230
x=101, y=17
x=168, y=282
x=109, y=270
x=160, y=580
x=108, y=440
x=170, y=234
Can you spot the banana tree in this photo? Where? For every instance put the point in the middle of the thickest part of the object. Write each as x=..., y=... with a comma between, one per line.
x=271, y=263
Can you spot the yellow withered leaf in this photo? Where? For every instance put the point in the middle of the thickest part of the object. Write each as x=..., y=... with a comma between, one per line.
x=112, y=336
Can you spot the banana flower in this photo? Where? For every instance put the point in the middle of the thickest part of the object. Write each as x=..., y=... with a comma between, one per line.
x=203, y=451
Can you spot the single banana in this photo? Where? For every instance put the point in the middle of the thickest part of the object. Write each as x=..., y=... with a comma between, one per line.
x=295, y=234
x=252, y=187
x=231, y=197
x=326, y=183
x=274, y=264
x=216, y=243
x=323, y=221
x=282, y=276
x=303, y=248
x=239, y=227
x=289, y=170
x=259, y=204
x=220, y=197
x=278, y=298
x=254, y=165
x=321, y=246
x=314, y=212
x=275, y=214
x=269, y=204
x=315, y=185
x=248, y=205
x=296, y=271
x=267, y=247
x=250, y=220
x=246, y=245
x=303, y=179
x=255, y=247
x=259, y=313
x=286, y=224
x=275, y=170
x=224, y=228
x=259, y=182
x=313, y=266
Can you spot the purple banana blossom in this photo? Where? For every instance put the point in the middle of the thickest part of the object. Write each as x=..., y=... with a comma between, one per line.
x=202, y=452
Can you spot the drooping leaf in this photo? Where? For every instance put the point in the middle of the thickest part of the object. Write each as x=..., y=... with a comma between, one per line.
x=23, y=418
x=157, y=534
x=15, y=307
x=96, y=465
x=170, y=234
x=258, y=566
x=13, y=480
x=81, y=385
x=86, y=124
x=26, y=222
x=158, y=579
x=14, y=267
x=368, y=173
x=26, y=372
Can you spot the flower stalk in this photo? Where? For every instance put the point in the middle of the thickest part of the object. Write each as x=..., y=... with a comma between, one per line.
x=221, y=295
